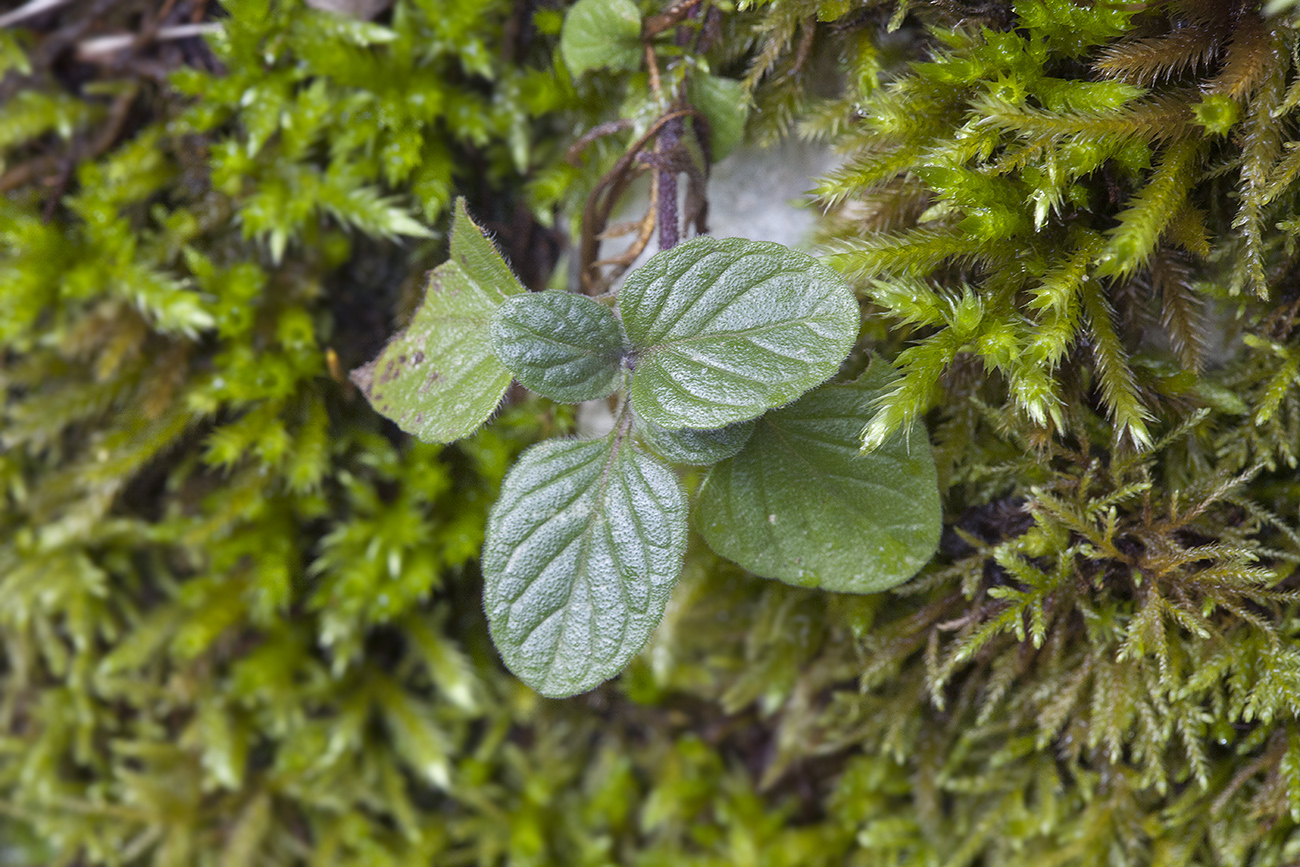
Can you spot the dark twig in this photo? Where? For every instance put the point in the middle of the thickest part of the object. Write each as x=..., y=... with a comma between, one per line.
x=100, y=145
x=30, y=10
x=595, y=214
x=609, y=128
x=25, y=172
x=669, y=18
x=803, y=49
x=667, y=142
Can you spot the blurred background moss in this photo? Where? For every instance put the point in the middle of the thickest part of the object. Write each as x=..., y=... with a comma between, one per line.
x=239, y=613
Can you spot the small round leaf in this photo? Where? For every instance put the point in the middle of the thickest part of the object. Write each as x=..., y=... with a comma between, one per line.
x=599, y=34
x=560, y=345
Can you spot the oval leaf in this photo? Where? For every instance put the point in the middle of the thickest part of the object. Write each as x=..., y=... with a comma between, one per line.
x=561, y=345
x=725, y=329
x=583, y=548
x=801, y=503
x=695, y=447
x=599, y=34
x=437, y=378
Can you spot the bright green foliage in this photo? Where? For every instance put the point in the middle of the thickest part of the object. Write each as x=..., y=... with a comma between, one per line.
x=391, y=99
x=1018, y=164
x=601, y=34
x=1064, y=218
x=443, y=360
x=583, y=549
x=723, y=330
x=800, y=504
x=233, y=630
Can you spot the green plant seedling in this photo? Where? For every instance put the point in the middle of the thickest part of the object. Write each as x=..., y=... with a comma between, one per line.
x=706, y=347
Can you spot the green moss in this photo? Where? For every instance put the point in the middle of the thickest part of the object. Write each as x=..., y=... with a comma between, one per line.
x=240, y=619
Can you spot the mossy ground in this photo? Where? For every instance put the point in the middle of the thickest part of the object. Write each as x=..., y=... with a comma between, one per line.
x=239, y=616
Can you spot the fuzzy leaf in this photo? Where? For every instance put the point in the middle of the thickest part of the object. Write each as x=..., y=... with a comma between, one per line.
x=801, y=504
x=725, y=329
x=437, y=378
x=695, y=447
x=478, y=256
x=582, y=551
x=563, y=346
x=599, y=34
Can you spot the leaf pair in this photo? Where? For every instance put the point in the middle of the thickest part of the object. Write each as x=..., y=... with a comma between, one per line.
x=717, y=332
x=713, y=332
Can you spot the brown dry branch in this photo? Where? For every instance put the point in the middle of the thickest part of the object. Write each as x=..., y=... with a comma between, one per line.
x=605, y=196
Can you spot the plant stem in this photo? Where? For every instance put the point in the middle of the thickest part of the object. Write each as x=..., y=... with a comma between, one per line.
x=669, y=138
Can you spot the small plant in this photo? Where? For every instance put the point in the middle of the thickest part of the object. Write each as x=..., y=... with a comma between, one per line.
x=704, y=350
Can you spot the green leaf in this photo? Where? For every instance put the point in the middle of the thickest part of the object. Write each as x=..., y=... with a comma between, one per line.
x=583, y=548
x=801, y=503
x=725, y=102
x=726, y=329
x=12, y=55
x=695, y=447
x=563, y=346
x=437, y=378
x=472, y=250
x=601, y=33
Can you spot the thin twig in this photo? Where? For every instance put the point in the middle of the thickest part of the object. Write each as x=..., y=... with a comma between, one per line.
x=656, y=24
x=118, y=41
x=107, y=137
x=30, y=10
x=25, y=172
x=645, y=231
x=600, y=131
x=805, y=47
x=652, y=63
x=149, y=32
x=595, y=213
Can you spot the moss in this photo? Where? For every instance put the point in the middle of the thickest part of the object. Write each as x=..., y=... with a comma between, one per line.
x=240, y=620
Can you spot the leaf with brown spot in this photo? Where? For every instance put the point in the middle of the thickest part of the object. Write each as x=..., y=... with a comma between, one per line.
x=437, y=378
